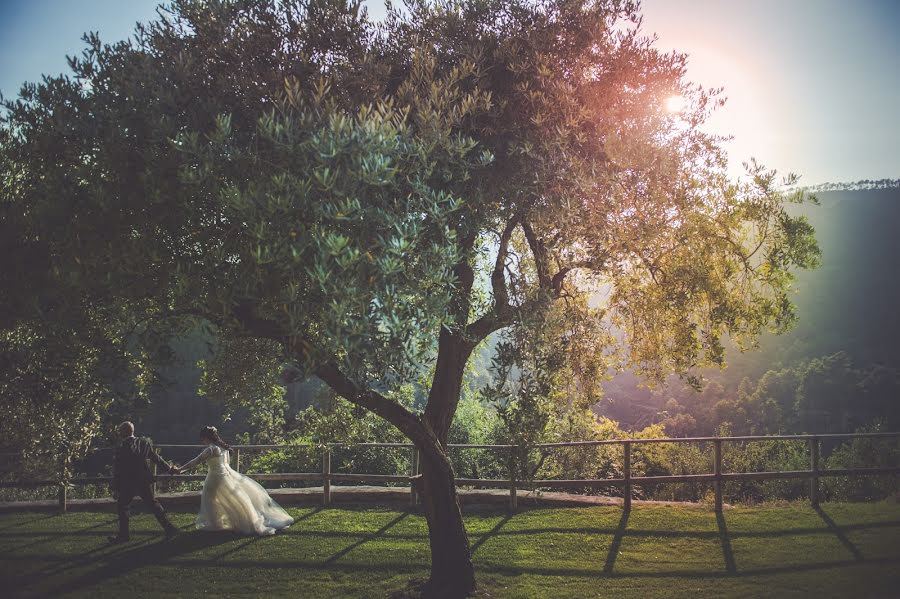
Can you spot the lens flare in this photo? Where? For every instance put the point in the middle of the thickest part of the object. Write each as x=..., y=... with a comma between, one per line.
x=675, y=103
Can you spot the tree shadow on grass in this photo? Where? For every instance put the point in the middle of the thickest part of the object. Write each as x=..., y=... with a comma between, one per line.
x=51, y=536
x=370, y=537
x=698, y=574
x=481, y=540
x=722, y=534
x=82, y=559
x=128, y=560
x=28, y=521
x=380, y=568
x=158, y=553
x=236, y=548
x=87, y=557
x=696, y=534
x=309, y=514
x=253, y=540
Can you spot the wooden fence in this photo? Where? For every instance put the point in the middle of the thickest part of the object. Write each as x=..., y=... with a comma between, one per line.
x=717, y=477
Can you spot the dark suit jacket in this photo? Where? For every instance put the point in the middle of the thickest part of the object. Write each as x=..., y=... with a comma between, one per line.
x=130, y=469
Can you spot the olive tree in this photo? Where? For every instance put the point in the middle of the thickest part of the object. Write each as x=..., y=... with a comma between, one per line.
x=368, y=202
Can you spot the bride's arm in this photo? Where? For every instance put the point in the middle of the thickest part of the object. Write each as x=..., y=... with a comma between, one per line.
x=204, y=455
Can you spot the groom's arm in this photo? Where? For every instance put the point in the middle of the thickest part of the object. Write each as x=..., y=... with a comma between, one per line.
x=152, y=455
x=116, y=473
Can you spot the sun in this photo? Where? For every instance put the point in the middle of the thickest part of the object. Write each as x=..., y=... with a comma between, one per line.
x=675, y=103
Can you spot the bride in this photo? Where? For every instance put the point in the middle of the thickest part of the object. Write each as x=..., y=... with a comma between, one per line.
x=230, y=500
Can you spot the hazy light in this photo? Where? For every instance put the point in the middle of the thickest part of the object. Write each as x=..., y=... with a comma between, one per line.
x=675, y=103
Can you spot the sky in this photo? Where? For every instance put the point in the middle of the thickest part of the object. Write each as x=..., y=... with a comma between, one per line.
x=813, y=86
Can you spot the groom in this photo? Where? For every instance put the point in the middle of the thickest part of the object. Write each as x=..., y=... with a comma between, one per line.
x=132, y=476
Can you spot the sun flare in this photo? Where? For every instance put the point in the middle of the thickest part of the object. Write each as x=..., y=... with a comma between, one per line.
x=675, y=103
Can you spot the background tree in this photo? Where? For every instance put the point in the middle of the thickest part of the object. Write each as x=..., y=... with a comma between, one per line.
x=371, y=201
x=56, y=384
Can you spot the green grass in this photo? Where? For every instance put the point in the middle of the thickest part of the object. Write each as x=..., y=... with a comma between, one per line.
x=842, y=550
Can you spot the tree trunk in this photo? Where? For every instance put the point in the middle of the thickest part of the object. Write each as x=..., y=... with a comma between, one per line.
x=452, y=573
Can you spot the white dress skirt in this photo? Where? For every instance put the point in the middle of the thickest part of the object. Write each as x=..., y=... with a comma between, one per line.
x=232, y=501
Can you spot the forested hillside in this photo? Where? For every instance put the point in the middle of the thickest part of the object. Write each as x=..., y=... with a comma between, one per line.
x=837, y=370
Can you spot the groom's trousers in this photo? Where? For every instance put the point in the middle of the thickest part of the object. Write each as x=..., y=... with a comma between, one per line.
x=145, y=492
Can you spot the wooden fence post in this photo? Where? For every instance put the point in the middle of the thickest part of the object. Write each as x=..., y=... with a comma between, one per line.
x=326, y=476
x=626, y=504
x=814, y=466
x=717, y=471
x=237, y=459
x=63, y=483
x=413, y=471
x=513, y=499
x=153, y=473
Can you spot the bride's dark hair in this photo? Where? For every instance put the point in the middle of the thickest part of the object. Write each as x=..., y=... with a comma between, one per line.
x=210, y=432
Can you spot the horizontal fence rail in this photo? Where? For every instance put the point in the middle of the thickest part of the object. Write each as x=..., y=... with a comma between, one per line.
x=626, y=483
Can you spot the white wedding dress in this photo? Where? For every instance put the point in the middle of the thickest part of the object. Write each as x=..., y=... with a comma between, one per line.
x=232, y=501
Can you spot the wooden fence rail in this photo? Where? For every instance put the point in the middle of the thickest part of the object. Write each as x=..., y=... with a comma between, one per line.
x=718, y=477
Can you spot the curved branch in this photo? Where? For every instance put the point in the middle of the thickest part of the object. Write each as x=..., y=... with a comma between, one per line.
x=559, y=278
x=539, y=251
x=498, y=280
x=260, y=327
x=498, y=316
x=405, y=421
x=502, y=314
x=164, y=315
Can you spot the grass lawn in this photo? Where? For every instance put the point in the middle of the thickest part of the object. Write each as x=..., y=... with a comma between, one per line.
x=842, y=550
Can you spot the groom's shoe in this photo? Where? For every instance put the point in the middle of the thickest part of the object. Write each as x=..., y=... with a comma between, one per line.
x=117, y=540
x=172, y=532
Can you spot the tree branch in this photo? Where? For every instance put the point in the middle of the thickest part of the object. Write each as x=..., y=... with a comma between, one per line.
x=245, y=314
x=559, y=278
x=498, y=316
x=163, y=316
x=498, y=280
x=405, y=421
x=539, y=251
x=502, y=313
